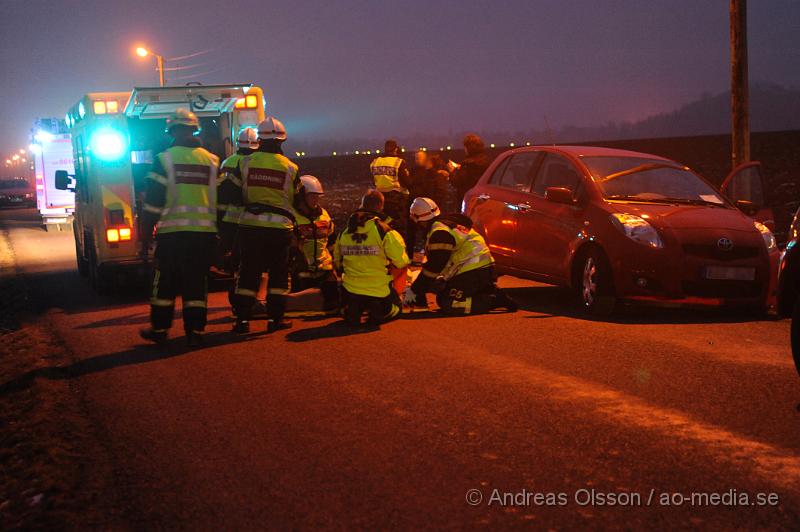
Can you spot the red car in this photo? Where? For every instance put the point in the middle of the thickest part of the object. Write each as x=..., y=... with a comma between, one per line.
x=621, y=225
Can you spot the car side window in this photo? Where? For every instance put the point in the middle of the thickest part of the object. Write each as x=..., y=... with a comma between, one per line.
x=556, y=171
x=498, y=172
x=518, y=173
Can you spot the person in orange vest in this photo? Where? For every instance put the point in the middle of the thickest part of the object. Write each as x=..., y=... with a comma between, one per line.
x=180, y=202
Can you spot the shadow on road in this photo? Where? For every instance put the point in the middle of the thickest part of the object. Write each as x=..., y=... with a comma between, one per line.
x=336, y=329
x=140, y=354
x=559, y=301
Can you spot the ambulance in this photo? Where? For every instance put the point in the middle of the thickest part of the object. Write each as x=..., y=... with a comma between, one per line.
x=115, y=138
x=51, y=147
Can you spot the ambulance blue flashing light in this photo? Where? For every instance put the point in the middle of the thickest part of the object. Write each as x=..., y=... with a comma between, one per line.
x=108, y=144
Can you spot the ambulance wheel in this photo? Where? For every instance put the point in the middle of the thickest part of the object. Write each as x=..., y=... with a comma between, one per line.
x=97, y=279
x=83, y=264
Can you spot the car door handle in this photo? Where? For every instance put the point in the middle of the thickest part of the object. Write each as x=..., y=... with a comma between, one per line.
x=521, y=207
x=483, y=197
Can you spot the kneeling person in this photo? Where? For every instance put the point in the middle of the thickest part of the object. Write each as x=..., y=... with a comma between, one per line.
x=366, y=253
x=312, y=264
x=459, y=268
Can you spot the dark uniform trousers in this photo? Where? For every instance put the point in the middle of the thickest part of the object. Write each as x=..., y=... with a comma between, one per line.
x=182, y=260
x=473, y=292
x=378, y=309
x=262, y=249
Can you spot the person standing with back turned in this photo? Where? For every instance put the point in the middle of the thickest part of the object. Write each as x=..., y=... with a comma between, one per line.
x=269, y=183
x=181, y=198
x=392, y=179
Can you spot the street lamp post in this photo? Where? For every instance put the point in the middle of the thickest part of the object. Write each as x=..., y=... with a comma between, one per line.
x=144, y=52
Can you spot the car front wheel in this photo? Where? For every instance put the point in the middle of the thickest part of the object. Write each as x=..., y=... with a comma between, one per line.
x=596, y=294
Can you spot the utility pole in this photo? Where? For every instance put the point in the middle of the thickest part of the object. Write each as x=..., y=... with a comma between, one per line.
x=740, y=106
x=160, y=64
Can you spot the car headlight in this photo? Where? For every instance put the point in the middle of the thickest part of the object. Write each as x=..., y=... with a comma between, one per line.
x=766, y=234
x=637, y=229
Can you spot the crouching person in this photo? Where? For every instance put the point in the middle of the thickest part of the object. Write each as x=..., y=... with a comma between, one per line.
x=459, y=268
x=312, y=264
x=366, y=253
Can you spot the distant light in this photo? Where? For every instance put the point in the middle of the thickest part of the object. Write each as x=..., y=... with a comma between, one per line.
x=35, y=149
x=356, y=152
x=15, y=157
x=297, y=153
x=424, y=149
x=303, y=153
x=377, y=151
x=449, y=148
x=334, y=154
x=527, y=143
x=8, y=161
x=21, y=151
x=511, y=144
x=403, y=150
x=491, y=145
x=369, y=152
x=142, y=52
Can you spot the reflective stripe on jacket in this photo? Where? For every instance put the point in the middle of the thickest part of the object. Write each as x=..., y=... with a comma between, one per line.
x=470, y=252
x=313, y=235
x=364, y=257
x=385, y=172
x=191, y=201
x=268, y=179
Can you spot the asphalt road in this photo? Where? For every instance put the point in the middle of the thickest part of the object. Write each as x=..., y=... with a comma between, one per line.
x=316, y=427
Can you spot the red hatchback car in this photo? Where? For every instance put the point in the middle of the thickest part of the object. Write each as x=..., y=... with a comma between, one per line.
x=622, y=225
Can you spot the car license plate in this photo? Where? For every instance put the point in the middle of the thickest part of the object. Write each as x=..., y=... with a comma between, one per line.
x=730, y=273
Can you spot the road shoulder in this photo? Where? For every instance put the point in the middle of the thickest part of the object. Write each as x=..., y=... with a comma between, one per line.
x=56, y=473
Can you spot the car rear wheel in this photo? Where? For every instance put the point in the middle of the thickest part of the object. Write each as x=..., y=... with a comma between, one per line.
x=796, y=336
x=596, y=294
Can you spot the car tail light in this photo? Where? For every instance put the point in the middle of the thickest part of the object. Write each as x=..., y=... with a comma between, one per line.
x=124, y=233
x=100, y=107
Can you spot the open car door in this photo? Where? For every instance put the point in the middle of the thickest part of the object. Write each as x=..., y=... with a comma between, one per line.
x=745, y=187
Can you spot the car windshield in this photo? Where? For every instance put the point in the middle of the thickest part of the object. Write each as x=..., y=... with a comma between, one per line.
x=653, y=180
x=13, y=183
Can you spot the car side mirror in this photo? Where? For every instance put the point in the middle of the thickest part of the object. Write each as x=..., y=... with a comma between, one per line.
x=62, y=180
x=559, y=195
x=747, y=207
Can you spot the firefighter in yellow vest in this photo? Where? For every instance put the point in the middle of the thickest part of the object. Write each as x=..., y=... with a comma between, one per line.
x=459, y=268
x=392, y=179
x=367, y=254
x=268, y=187
x=312, y=266
x=229, y=187
x=181, y=202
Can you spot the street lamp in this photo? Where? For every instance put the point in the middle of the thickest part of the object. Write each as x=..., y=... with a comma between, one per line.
x=144, y=52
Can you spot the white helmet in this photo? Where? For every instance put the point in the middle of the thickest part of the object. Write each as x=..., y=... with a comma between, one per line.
x=423, y=209
x=271, y=128
x=311, y=185
x=248, y=138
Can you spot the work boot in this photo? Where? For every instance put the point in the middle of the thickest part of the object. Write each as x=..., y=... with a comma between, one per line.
x=502, y=300
x=279, y=325
x=241, y=327
x=152, y=335
x=195, y=338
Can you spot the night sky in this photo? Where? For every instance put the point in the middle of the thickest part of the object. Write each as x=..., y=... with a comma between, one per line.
x=372, y=68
